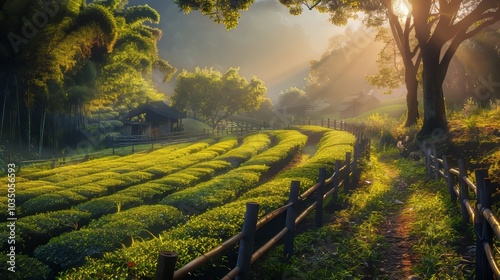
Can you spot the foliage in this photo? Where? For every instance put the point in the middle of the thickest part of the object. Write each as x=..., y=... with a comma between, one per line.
x=27, y=268
x=106, y=234
x=213, y=96
x=73, y=58
x=37, y=229
x=205, y=231
x=352, y=245
x=293, y=101
x=452, y=23
x=436, y=223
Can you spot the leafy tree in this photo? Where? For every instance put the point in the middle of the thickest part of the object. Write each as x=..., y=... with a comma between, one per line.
x=69, y=57
x=397, y=67
x=293, y=101
x=440, y=26
x=213, y=96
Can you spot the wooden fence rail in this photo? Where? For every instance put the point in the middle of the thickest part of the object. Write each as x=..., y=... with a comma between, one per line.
x=342, y=177
x=460, y=186
x=132, y=144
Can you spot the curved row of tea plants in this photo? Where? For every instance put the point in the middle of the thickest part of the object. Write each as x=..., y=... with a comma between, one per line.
x=35, y=230
x=39, y=228
x=106, y=233
x=110, y=181
x=105, y=177
x=63, y=253
x=206, y=231
x=333, y=146
x=230, y=186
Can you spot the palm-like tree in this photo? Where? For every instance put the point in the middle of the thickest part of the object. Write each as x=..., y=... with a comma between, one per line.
x=55, y=64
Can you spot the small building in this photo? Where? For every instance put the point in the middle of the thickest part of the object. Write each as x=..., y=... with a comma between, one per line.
x=152, y=119
x=354, y=105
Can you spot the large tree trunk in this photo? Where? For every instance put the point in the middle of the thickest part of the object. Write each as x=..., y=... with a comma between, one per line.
x=411, y=97
x=435, y=122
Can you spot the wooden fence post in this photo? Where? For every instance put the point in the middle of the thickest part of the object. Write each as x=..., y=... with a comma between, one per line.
x=319, y=198
x=347, y=185
x=328, y=122
x=482, y=266
x=335, y=124
x=450, y=180
x=290, y=218
x=335, y=181
x=428, y=160
x=464, y=190
x=436, y=163
x=487, y=231
x=355, y=158
x=245, y=250
x=166, y=266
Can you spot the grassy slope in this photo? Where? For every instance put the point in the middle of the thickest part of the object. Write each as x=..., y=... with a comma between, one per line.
x=352, y=245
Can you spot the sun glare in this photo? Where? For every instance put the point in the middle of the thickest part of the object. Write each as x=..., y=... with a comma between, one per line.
x=402, y=7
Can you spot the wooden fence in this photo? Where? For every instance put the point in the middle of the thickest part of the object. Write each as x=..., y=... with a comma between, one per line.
x=345, y=175
x=460, y=186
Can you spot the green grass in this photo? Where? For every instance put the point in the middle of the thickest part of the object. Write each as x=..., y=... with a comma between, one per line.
x=393, y=111
x=351, y=246
x=436, y=224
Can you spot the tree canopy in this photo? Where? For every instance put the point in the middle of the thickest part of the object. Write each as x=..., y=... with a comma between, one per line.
x=293, y=101
x=439, y=27
x=67, y=59
x=213, y=96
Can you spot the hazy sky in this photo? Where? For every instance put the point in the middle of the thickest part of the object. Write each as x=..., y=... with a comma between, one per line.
x=268, y=43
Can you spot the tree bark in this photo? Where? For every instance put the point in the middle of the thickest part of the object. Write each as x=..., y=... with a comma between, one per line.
x=411, y=97
x=434, y=108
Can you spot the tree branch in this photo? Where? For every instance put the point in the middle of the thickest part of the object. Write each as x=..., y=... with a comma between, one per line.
x=462, y=36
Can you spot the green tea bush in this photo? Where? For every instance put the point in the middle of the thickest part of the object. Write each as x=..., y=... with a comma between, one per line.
x=38, y=229
x=199, y=235
x=109, y=204
x=252, y=145
x=106, y=234
x=27, y=268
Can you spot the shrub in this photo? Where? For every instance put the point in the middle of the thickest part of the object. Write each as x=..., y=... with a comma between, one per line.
x=27, y=268
x=106, y=234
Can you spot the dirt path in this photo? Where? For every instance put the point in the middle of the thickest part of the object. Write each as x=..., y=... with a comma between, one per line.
x=397, y=257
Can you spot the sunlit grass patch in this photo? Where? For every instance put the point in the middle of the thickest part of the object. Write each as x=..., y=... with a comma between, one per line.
x=345, y=249
x=435, y=224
